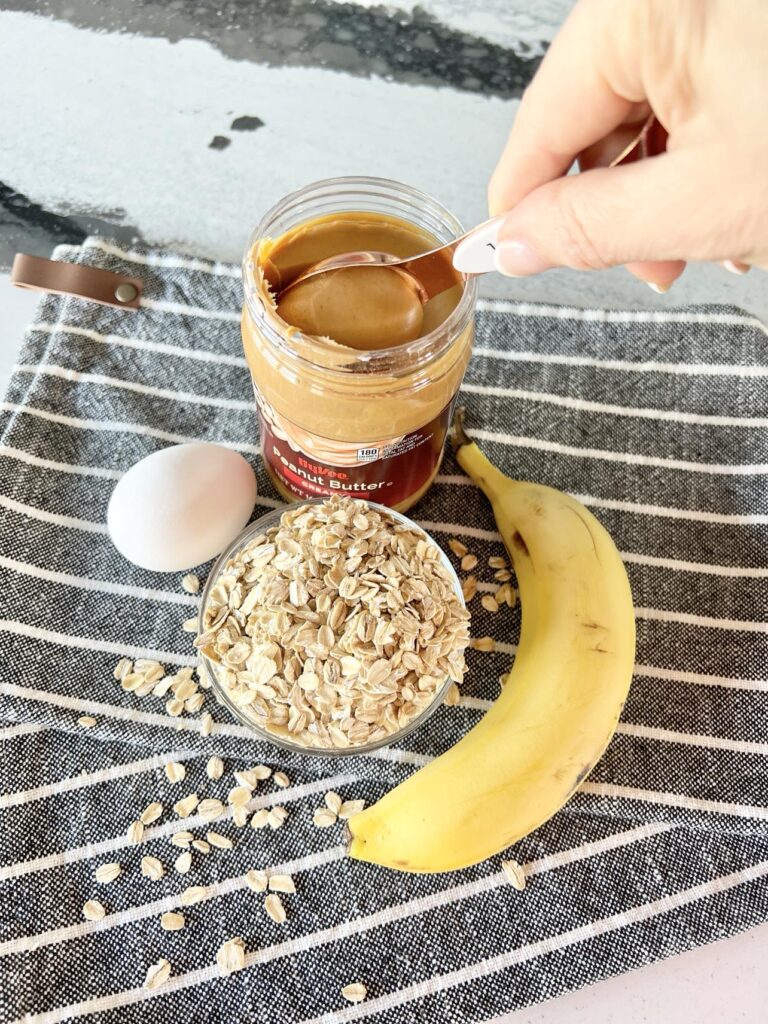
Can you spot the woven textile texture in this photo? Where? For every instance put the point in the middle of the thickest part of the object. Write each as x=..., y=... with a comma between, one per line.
x=656, y=421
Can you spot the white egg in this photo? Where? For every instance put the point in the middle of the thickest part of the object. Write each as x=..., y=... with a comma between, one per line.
x=181, y=506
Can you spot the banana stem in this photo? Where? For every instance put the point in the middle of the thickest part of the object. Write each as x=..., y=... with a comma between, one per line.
x=491, y=481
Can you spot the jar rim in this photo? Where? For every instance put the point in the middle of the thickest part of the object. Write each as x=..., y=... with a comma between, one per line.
x=405, y=357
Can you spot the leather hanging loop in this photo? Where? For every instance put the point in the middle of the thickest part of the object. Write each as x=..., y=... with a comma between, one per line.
x=89, y=283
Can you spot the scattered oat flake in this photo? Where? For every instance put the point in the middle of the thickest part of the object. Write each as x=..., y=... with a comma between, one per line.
x=351, y=807
x=183, y=862
x=483, y=643
x=181, y=838
x=214, y=768
x=260, y=771
x=186, y=806
x=201, y=846
x=276, y=817
x=468, y=563
x=240, y=816
x=151, y=813
x=190, y=625
x=502, y=575
x=323, y=817
x=457, y=547
x=355, y=993
x=123, y=668
x=256, y=880
x=239, y=796
x=281, y=883
x=193, y=894
x=260, y=818
x=497, y=562
x=206, y=724
x=152, y=868
x=174, y=707
x=515, y=874
x=135, y=832
x=274, y=908
x=281, y=779
x=453, y=697
x=210, y=809
x=86, y=721
x=333, y=802
x=219, y=841
x=108, y=872
x=190, y=583
x=231, y=956
x=157, y=974
x=469, y=587
x=489, y=603
x=93, y=910
x=175, y=772
x=172, y=921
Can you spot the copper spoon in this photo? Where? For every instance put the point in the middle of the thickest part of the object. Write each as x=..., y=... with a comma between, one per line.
x=431, y=273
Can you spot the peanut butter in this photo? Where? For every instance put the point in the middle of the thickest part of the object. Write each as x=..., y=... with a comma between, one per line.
x=354, y=378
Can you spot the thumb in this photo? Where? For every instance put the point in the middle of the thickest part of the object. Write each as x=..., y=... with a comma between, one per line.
x=662, y=208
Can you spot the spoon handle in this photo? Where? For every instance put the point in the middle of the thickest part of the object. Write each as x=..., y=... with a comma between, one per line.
x=474, y=252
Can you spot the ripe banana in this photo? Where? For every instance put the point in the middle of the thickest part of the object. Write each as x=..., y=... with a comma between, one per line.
x=559, y=704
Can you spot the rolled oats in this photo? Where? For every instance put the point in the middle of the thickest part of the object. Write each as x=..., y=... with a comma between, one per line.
x=257, y=880
x=175, y=772
x=135, y=832
x=354, y=993
x=231, y=956
x=310, y=623
x=281, y=883
x=151, y=813
x=106, y=873
x=172, y=921
x=514, y=874
x=350, y=807
x=152, y=868
x=183, y=862
x=157, y=974
x=190, y=583
x=93, y=910
x=274, y=908
x=219, y=841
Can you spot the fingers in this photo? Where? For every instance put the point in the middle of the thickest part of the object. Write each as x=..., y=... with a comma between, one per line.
x=657, y=209
x=659, y=275
x=570, y=104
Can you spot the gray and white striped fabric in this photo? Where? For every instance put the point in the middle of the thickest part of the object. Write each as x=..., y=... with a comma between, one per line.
x=656, y=421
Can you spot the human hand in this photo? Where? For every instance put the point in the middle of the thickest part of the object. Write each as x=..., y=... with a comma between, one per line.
x=701, y=68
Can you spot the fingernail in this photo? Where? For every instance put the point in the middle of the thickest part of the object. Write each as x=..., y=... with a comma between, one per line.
x=517, y=259
x=735, y=266
x=660, y=289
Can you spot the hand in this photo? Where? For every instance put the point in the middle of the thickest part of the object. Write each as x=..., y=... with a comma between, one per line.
x=700, y=66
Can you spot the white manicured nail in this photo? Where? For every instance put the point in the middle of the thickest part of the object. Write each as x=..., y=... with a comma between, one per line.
x=735, y=267
x=660, y=289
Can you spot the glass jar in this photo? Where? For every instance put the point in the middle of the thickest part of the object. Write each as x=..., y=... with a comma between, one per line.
x=336, y=420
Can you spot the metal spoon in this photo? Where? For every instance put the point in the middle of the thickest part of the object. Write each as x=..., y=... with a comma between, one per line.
x=431, y=273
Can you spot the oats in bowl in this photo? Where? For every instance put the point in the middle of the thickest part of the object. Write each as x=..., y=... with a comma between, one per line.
x=337, y=625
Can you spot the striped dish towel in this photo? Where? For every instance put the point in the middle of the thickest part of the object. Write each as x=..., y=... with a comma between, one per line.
x=656, y=421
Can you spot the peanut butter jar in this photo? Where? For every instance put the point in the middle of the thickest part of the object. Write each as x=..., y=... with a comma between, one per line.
x=368, y=418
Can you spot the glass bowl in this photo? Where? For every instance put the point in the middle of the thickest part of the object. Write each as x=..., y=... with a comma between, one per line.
x=261, y=526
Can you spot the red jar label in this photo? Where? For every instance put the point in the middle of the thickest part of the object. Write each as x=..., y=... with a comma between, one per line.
x=388, y=471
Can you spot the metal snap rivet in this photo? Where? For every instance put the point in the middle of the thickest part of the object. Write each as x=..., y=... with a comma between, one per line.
x=126, y=292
